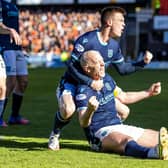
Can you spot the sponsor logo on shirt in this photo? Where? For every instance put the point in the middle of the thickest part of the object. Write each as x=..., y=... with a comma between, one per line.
x=79, y=47
x=81, y=97
x=106, y=99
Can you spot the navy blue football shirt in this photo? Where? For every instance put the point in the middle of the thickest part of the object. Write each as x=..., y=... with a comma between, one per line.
x=106, y=113
x=10, y=18
x=110, y=51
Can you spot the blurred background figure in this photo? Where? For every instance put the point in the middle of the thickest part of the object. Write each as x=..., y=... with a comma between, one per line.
x=16, y=65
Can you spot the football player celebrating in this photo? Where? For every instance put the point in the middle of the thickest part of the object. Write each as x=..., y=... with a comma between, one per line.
x=98, y=116
x=105, y=41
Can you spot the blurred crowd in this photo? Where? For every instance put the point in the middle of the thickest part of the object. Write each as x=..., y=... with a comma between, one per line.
x=54, y=32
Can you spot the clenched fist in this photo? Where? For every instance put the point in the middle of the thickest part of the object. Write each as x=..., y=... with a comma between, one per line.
x=148, y=57
x=93, y=104
x=155, y=89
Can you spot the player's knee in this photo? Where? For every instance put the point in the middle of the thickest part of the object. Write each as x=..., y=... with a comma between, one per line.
x=23, y=85
x=68, y=110
x=122, y=141
x=67, y=106
x=11, y=83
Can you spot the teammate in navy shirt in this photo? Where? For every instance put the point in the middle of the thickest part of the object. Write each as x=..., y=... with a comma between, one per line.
x=105, y=41
x=4, y=29
x=13, y=36
x=103, y=127
x=16, y=65
x=110, y=51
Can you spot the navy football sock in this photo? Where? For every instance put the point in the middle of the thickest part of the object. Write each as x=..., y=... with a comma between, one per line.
x=4, y=107
x=135, y=150
x=16, y=104
x=59, y=122
x=1, y=106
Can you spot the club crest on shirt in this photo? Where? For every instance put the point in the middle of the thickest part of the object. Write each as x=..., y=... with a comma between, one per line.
x=79, y=47
x=108, y=87
x=110, y=53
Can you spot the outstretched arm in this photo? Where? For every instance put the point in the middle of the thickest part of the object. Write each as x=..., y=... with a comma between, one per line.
x=132, y=97
x=127, y=67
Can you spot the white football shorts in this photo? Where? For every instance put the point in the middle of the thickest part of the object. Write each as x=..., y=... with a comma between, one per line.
x=132, y=131
x=15, y=62
x=2, y=68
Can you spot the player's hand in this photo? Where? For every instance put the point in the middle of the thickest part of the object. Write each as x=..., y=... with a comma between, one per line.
x=93, y=104
x=148, y=57
x=155, y=89
x=97, y=84
x=15, y=36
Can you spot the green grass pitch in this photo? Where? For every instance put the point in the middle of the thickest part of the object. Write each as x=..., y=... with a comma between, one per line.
x=26, y=146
